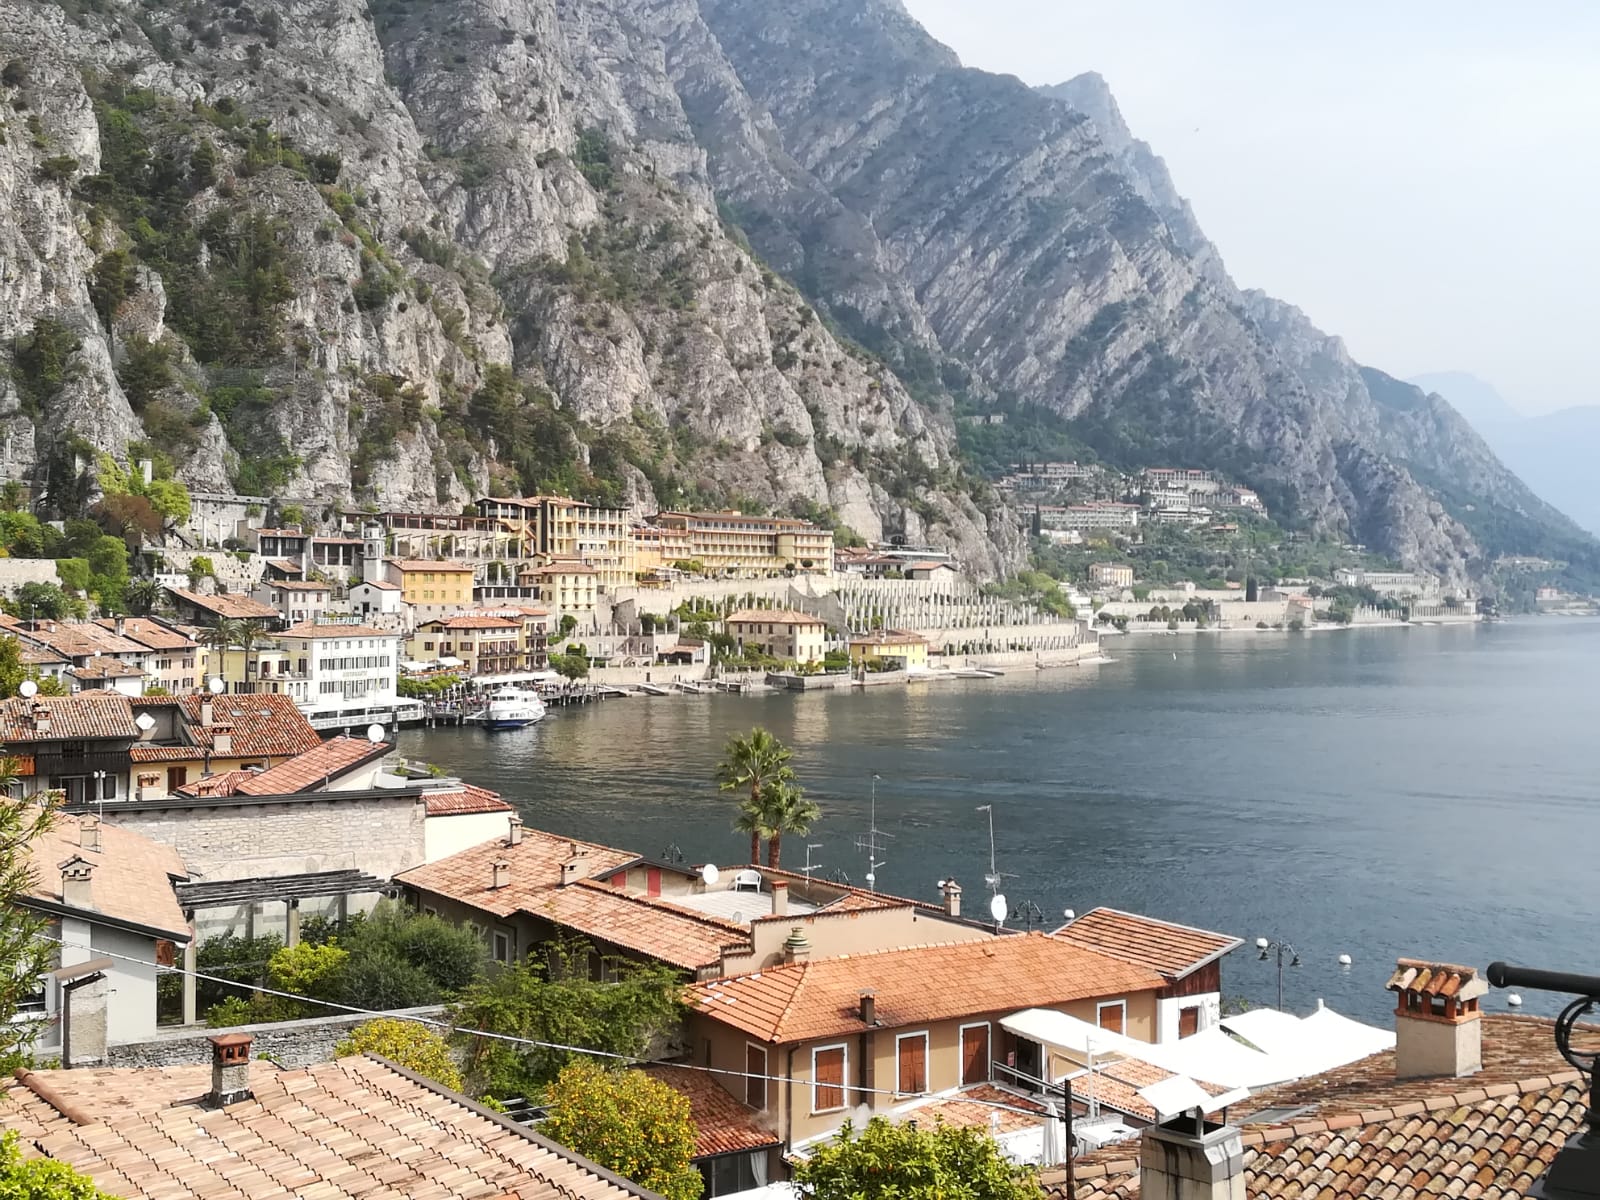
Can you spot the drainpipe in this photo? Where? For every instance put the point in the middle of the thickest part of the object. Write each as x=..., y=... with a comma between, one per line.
x=788, y=1105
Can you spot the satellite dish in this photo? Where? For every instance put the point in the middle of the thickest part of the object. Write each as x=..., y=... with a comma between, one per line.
x=28, y=689
x=709, y=874
x=218, y=685
x=145, y=722
x=374, y=734
x=998, y=907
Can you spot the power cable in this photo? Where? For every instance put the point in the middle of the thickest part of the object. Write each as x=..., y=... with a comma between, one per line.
x=628, y=1059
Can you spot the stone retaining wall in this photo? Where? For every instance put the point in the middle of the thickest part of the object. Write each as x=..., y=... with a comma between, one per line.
x=287, y=1043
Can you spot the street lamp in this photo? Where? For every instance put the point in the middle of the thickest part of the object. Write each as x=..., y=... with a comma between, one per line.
x=1280, y=947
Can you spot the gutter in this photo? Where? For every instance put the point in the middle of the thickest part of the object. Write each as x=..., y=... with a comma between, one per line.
x=94, y=917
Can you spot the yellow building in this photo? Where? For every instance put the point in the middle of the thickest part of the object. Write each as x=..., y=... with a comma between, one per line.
x=568, y=586
x=485, y=645
x=893, y=649
x=733, y=544
x=1117, y=575
x=431, y=581
x=792, y=636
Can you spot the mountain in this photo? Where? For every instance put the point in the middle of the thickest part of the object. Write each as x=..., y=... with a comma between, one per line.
x=650, y=251
x=1473, y=398
x=1555, y=452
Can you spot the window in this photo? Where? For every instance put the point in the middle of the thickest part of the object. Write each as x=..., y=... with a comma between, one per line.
x=730, y=1173
x=503, y=948
x=1189, y=1021
x=108, y=787
x=911, y=1055
x=755, y=1076
x=1112, y=1015
x=975, y=1057
x=828, y=1065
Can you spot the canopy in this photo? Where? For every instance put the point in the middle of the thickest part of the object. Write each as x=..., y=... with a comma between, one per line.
x=450, y=662
x=1180, y=1094
x=1068, y=1033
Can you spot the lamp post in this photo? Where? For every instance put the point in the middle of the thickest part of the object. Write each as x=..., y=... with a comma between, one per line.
x=1280, y=947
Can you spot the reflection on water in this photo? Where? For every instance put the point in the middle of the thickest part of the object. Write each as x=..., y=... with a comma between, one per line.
x=1373, y=793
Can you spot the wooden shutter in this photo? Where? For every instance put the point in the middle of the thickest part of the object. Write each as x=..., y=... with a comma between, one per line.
x=974, y=1055
x=755, y=1083
x=913, y=1065
x=1111, y=1017
x=828, y=1092
x=1188, y=1021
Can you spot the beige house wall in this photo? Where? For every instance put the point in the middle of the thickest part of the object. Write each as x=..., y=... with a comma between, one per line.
x=835, y=934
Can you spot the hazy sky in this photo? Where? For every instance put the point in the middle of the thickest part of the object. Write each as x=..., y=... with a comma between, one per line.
x=1422, y=178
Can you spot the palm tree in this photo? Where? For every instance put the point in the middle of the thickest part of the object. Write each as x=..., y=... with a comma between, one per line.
x=141, y=596
x=250, y=638
x=785, y=809
x=219, y=636
x=756, y=761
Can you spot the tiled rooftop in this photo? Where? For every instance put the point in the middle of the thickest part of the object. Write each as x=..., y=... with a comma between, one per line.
x=100, y=715
x=470, y=622
x=355, y=1128
x=1117, y=1083
x=297, y=585
x=977, y=1106
x=105, y=668
x=644, y=925
x=722, y=1124
x=232, y=605
x=820, y=998
x=771, y=616
x=1366, y=1136
x=306, y=772
x=1169, y=949
x=263, y=725
x=131, y=878
x=81, y=639
x=464, y=800
x=149, y=633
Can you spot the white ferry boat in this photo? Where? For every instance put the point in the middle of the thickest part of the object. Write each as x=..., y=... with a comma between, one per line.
x=510, y=708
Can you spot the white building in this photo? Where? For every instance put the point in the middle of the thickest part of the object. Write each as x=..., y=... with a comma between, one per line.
x=1388, y=583
x=375, y=598
x=297, y=601
x=1106, y=514
x=342, y=674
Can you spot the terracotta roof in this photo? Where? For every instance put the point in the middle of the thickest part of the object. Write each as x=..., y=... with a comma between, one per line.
x=233, y=605
x=150, y=633
x=820, y=998
x=102, y=715
x=131, y=878
x=1366, y=1136
x=320, y=629
x=771, y=616
x=428, y=564
x=307, y=772
x=225, y=783
x=38, y=656
x=383, y=585
x=1117, y=1082
x=264, y=725
x=893, y=637
x=644, y=925
x=463, y=801
x=722, y=1124
x=564, y=568
x=352, y=1128
x=287, y=565
x=1435, y=979
x=106, y=668
x=1170, y=949
x=975, y=1107
x=470, y=622
x=80, y=639
x=296, y=585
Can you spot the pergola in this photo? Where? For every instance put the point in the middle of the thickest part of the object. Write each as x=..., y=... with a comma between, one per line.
x=287, y=890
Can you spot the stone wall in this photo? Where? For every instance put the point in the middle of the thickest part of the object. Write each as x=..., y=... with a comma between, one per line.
x=14, y=572
x=287, y=1043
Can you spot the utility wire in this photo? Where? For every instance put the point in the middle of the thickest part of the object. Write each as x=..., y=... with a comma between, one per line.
x=515, y=1039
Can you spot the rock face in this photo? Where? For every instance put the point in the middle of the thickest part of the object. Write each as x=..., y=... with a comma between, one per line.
x=402, y=251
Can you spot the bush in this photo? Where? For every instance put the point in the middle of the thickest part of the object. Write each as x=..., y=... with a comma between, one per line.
x=382, y=979
x=415, y=1047
x=938, y=1163
x=627, y=1122
x=40, y=1178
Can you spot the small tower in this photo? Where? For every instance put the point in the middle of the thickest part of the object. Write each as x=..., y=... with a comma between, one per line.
x=372, y=552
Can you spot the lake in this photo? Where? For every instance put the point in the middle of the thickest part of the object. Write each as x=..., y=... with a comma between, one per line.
x=1375, y=793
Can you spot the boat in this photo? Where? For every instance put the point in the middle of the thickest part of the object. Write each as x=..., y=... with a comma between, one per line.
x=510, y=708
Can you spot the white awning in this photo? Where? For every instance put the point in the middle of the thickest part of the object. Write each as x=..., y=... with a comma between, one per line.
x=1052, y=1028
x=1180, y=1094
x=450, y=662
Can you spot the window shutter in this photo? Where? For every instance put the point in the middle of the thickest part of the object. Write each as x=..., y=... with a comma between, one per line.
x=829, y=1089
x=913, y=1066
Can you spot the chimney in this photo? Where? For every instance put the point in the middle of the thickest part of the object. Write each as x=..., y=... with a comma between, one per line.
x=230, y=1068
x=500, y=874
x=76, y=891
x=89, y=832
x=1189, y=1158
x=205, y=711
x=122, y=626
x=572, y=869
x=514, y=834
x=952, y=897
x=41, y=718
x=869, y=1008
x=1437, y=1026
x=222, y=739
x=780, y=898
x=796, y=949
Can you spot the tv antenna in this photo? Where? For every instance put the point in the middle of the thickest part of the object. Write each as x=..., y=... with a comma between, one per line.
x=870, y=841
x=998, y=908
x=811, y=866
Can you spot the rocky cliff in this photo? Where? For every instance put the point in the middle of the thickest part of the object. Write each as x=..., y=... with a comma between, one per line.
x=649, y=251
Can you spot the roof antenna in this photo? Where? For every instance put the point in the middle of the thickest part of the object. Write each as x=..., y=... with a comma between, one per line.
x=869, y=843
x=998, y=908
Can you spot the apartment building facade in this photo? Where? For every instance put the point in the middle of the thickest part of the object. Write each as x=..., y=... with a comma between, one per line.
x=732, y=544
